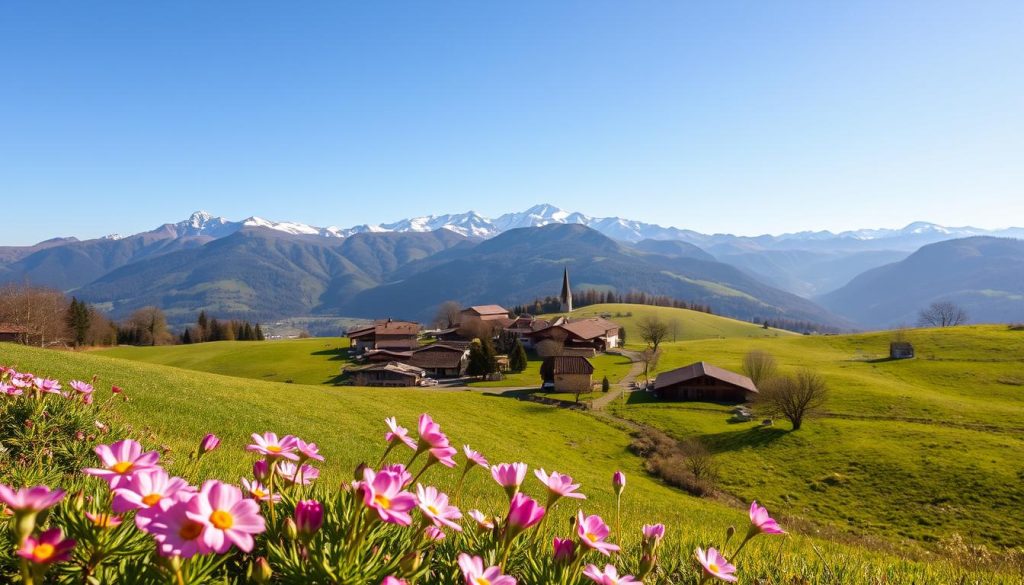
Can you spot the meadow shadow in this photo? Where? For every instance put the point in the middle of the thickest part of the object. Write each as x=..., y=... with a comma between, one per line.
x=757, y=436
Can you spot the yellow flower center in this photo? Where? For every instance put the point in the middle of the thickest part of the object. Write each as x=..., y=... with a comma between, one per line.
x=482, y=581
x=103, y=521
x=592, y=537
x=713, y=567
x=433, y=510
x=152, y=499
x=258, y=493
x=382, y=501
x=43, y=552
x=122, y=467
x=190, y=530
x=222, y=520
x=274, y=448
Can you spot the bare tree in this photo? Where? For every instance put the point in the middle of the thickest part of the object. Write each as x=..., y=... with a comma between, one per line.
x=151, y=325
x=649, y=358
x=447, y=315
x=653, y=331
x=676, y=327
x=942, y=314
x=759, y=366
x=41, y=311
x=793, y=397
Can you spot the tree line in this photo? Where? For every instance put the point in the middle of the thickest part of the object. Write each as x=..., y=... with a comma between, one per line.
x=591, y=296
x=210, y=329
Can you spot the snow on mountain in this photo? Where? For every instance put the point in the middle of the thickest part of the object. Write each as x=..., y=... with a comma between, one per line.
x=474, y=225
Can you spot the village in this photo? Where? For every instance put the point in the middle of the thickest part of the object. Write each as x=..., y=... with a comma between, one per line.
x=488, y=341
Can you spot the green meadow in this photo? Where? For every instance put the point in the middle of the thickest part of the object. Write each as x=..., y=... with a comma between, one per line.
x=174, y=407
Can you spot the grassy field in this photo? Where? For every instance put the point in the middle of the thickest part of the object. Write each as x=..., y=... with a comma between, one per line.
x=683, y=324
x=175, y=407
x=317, y=360
x=911, y=449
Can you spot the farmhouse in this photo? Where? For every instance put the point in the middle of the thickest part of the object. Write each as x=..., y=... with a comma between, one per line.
x=525, y=325
x=570, y=373
x=705, y=382
x=387, y=334
x=13, y=333
x=391, y=374
x=901, y=350
x=579, y=336
x=441, y=360
x=471, y=318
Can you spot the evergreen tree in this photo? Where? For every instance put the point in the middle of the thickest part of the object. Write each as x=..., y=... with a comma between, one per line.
x=605, y=384
x=79, y=319
x=204, y=327
x=247, y=332
x=517, y=360
x=214, y=332
x=186, y=337
x=259, y=333
x=481, y=358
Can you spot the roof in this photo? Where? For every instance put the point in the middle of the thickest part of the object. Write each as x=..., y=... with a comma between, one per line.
x=585, y=328
x=487, y=310
x=565, y=364
x=12, y=328
x=386, y=327
x=700, y=369
x=437, y=355
x=395, y=367
x=389, y=353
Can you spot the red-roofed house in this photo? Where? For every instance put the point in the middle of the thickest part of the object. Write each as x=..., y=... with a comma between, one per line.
x=386, y=334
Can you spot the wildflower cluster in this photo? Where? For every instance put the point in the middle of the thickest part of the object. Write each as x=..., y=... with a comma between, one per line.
x=134, y=521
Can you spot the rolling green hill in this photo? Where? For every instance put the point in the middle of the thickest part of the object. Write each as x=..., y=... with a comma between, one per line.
x=316, y=360
x=176, y=407
x=917, y=449
x=691, y=324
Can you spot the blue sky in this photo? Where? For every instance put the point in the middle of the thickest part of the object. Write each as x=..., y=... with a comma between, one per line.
x=718, y=116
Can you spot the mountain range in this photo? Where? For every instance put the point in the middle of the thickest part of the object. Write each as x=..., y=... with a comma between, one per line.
x=263, y=269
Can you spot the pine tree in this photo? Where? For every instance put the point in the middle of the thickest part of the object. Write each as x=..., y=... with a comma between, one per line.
x=186, y=337
x=259, y=333
x=78, y=320
x=214, y=332
x=247, y=332
x=204, y=327
x=605, y=384
x=481, y=358
x=517, y=361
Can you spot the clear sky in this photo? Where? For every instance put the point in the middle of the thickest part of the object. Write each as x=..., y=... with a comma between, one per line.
x=742, y=117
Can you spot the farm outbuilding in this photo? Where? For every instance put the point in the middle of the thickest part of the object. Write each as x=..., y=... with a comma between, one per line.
x=901, y=350
x=704, y=382
x=570, y=373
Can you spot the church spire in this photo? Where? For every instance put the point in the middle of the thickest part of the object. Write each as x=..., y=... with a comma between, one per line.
x=566, y=292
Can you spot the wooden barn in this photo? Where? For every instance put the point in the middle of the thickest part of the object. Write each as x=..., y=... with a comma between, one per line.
x=704, y=382
x=570, y=373
x=13, y=333
x=391, y=374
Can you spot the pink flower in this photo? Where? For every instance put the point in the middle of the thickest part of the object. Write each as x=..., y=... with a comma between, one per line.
x=761, y=522
x=309, y=517
x=30, y=500
x=120, y=460
x=431, y=436
x=10, y=390
x=271, y=447
x=610, y=576
x=389, y=580
x=715, y=565
x=80, y=387
x=523, y=512
x=618, y=482
x=307, y=450
x=434, y=506
x=261, y=470
x=209, y=443
x=559, y=486
x=47, y=386
x=116, y=389
x=475, y=574
x=474, y=457
x=481, y=519
x=298, y=474
x=258, y=491
x=509, y=476
x=145, y=489
x=654, y=531
x=104, y=520
x=592, y=532
x=398, y=433
x=228, y=518
x=399, y=469
x=564, y=549
x=51, y=547
x=443, y=455
x=434, y=533
x=382, y=492
x=177, y=534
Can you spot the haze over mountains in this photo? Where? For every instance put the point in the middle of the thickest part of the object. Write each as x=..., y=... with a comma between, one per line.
x=269, y=269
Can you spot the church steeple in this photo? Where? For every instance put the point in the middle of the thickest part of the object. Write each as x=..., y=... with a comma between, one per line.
x=566, y=292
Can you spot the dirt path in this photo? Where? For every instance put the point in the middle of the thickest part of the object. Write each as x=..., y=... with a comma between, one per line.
x=625, y=384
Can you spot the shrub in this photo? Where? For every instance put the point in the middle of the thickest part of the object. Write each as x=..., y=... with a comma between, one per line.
x=687, y=465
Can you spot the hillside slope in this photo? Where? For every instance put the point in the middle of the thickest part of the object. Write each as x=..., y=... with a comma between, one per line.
x=520, y=265
x=984, y=275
